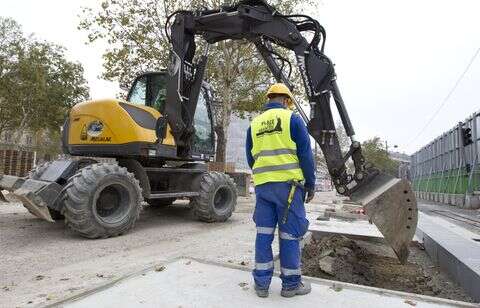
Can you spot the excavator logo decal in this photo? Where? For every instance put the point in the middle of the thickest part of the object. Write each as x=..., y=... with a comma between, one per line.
x=269, y=127
x=83, y=133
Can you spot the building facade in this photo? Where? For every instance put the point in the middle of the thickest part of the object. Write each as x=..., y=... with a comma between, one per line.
x=237, y=134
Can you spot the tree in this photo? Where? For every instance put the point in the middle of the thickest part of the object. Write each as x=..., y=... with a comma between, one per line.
x=37, y=83
x=375, y=152
x=11, y=42
x=134, y=31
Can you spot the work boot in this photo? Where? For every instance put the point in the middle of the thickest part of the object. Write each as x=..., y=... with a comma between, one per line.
x=302, y=289
x=261, y=292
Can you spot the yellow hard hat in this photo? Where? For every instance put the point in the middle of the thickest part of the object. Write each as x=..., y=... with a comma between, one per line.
x=281, y=89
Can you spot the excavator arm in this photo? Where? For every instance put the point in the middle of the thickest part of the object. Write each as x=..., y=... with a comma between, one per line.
x=389, y=202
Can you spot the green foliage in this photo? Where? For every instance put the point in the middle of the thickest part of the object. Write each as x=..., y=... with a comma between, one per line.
x=37, y=84
x=374, y=151
x=134, y=31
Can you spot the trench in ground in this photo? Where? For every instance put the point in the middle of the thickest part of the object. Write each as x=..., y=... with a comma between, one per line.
x=373, y=263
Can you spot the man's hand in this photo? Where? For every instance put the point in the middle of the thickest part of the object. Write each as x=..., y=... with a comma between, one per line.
x=310, y=193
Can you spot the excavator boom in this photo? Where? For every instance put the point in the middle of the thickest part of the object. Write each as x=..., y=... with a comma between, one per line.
x=389, y=202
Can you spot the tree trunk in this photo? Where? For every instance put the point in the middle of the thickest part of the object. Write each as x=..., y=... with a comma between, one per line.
x=221, y=150
x=222, y=133
x=227, y=96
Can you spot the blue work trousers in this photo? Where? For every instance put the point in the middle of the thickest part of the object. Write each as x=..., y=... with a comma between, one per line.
x=269, y=209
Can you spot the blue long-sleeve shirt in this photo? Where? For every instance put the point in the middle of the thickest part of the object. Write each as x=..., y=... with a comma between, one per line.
x=299, y=134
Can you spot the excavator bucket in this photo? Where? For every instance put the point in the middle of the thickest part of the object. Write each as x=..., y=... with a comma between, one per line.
x=391, y=205
x=34, y=195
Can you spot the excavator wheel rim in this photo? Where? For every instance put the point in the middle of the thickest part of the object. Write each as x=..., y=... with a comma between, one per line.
x=112, y=202
x=222, y=198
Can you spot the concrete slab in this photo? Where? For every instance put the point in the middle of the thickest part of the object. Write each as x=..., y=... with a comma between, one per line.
x=342, y=215
x=454, y=249
x=359, y=228
x=190, y=283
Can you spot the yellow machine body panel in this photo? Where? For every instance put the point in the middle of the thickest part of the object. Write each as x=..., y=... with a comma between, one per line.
x=113, y=122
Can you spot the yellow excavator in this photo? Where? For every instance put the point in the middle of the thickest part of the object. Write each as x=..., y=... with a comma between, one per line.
x=167, y=117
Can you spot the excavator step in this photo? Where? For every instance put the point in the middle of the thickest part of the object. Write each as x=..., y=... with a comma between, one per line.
x=391, y=205
x=173, y=170
x=173, y=195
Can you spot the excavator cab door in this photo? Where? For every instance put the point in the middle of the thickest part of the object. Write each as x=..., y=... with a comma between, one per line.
x=203, y=146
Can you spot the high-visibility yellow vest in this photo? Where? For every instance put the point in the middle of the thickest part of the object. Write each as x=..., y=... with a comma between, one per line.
x=274, y=151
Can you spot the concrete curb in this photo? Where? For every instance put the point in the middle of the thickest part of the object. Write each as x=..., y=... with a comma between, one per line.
x=468, y=201
x=454, y=250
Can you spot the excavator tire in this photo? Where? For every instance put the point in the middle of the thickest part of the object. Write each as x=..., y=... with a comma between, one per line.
x=35, y=174
x=102, y=200
x=217, y=199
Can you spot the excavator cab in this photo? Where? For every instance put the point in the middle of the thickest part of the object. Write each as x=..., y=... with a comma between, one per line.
x=150, y=89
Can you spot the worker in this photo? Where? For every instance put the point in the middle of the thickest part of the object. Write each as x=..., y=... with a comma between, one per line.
x=280, y=156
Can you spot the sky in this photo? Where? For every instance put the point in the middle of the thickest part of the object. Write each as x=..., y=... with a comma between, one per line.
x=396, y=61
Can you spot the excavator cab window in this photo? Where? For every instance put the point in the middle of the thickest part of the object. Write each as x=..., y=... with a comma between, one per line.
x=138, y=92
x=149, y=90
x=203, y=141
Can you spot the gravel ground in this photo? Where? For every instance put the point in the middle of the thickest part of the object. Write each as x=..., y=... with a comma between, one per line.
x=370, y=263
x=42, y=261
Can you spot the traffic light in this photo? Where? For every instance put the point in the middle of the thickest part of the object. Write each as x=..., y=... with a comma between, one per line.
x=467, y=136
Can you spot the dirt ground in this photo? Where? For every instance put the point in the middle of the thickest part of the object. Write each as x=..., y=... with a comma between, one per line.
x=373, y=264
x=41, y=262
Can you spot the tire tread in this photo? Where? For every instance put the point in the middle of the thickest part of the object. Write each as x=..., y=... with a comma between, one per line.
x=78, y=216
x=203, y=208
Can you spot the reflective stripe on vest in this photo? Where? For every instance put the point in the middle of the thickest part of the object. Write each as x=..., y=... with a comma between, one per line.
x=274, y=151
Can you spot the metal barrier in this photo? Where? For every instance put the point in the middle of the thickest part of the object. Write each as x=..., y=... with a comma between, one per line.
x=446, y=171
x=18, y=163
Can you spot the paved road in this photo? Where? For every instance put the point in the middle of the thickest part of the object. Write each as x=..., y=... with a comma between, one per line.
x=468, y=219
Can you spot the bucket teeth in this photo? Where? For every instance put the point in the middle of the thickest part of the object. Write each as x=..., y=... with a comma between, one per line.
x=2, y=197
x=34, y=204
x=391, y=205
